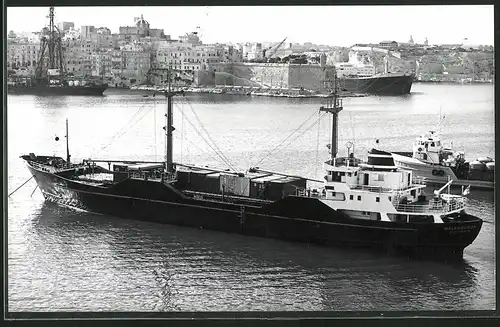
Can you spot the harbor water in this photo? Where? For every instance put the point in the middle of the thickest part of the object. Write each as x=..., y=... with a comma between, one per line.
x=60, y=259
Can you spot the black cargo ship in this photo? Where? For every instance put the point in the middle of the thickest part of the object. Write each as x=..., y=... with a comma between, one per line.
x=382, y=84
x=355, y=207
x=51, y=77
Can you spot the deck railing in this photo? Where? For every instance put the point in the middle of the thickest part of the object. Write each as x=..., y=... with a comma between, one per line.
x=58, y=166
x=53, y=168
x=160, y=177
x=310, y=194
x=388, y=189
x=434, y=206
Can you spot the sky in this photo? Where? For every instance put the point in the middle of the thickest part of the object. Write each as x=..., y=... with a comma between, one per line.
x=332, y=25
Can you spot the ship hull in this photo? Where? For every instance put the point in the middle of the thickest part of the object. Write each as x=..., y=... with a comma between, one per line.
x=381, y=85
x=296, y=219
x=58, y=91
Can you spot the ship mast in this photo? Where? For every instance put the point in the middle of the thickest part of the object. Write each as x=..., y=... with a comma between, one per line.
x=67, y=143
x=51, y=43
x=169, y=128
x=334, y=106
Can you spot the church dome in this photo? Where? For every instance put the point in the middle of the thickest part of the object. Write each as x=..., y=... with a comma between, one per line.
x=142, y=23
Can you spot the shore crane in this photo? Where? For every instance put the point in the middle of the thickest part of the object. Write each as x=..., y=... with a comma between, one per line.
x=273, y=49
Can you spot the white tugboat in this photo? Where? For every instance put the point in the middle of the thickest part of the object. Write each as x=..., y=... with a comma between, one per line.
x=439, y=164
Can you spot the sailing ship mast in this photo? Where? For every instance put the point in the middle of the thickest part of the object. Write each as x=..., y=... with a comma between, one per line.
x=51, y=46
x=334, y=106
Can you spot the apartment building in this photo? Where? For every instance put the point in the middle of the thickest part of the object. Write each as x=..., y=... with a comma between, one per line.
x=22, y=53
x=185, y=59
x=102, y=64
x=135, y=66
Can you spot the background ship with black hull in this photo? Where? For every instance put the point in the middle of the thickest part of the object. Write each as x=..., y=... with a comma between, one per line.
x=373, y=205
x=361, y=77
x=439, y=164
x=51, y=77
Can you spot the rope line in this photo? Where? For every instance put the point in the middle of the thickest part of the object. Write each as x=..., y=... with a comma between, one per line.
x=282, y=142
x=210, y=138
x=117, y=134
x=183, y=134
x=154, y=126
x=317, y=146
x=32, y=176
x=310, y=126
x=125, y=130
x=204, y=152
x=225, y=162
x=218, y=151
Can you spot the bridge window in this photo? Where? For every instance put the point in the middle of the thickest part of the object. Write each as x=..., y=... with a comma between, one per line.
x=351, y=197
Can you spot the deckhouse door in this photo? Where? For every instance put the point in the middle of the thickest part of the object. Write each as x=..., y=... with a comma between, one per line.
x=366, y=179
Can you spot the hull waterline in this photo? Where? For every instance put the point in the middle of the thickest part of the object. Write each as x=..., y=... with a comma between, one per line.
x=379, y=85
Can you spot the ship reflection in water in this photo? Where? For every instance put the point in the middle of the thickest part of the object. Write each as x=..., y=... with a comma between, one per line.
x=82, y=261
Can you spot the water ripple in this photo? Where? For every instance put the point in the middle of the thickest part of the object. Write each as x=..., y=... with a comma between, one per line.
x=64, y=260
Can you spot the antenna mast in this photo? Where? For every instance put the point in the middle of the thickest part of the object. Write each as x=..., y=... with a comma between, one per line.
x=334, y=106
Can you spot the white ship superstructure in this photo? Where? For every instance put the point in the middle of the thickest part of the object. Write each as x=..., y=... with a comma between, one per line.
x=355, y=67
x=378, y=190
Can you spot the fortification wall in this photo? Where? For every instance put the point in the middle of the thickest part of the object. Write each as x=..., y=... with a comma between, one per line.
x=310, y=77
x=204, y=78
x=257, y=74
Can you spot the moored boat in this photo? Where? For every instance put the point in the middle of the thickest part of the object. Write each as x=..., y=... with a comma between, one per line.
x=51, y=77
x=439, y=164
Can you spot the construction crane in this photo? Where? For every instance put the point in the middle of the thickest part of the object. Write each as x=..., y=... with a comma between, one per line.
x=273, y=49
